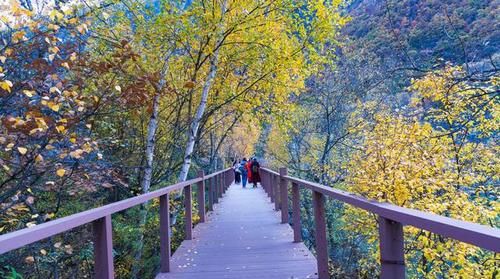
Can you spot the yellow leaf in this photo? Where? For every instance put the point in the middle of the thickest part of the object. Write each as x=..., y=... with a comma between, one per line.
x=60, y=172
x=39, y=158
x=6, y=85
x=189, y=84
x=53, y=106
x=68, y=249
x=60, y=129
x=54, y=89
x=77, y=154
x=29, y=93
x=2, y=59
x=22, y=150
x=31, y=224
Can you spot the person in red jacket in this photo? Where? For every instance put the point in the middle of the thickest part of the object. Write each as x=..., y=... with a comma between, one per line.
x=248, y=166
x=255, y=167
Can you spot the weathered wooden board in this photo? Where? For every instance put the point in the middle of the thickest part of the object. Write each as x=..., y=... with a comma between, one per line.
x=242, y=238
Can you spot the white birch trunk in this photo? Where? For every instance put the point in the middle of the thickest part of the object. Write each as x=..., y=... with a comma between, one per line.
x=148, y=170
x=203, y=103
x=150, y=145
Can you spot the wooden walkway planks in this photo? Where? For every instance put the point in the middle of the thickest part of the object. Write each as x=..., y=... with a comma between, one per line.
x=242, y=238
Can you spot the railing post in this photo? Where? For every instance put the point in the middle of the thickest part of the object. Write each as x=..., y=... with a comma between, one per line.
x=103, y=248
x=221, y=187
x=226, y=180
x=188, y=214
x=275, y=179
x=210, y=194
x=263, y=183
x=297, y=228
x=268, y=185
x=284, y=196
x=164, y=233
x=223, y=182
x=392, y=256
x=231, y=178
x=320, y=235
x=216, y=189
x=201, y=197
x=271, y=186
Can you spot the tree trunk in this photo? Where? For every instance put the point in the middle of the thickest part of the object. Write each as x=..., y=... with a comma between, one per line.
x=150, y=145
x=193, y=131
x=148, y=169
x=146, y=181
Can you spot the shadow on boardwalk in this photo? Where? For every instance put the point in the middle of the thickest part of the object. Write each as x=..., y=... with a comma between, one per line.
x=242, y=238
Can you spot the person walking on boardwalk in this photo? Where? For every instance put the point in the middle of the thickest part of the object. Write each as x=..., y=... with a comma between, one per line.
x=255, y=167
x=237, y=173
x=243, y=172
x=248, y=167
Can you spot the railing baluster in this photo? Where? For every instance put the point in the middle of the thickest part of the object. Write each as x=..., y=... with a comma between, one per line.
x=164, y=233
x=188, y=214
x=297, y=228
x=320, y=235
x=201, y=197
x=392, y=256
x=103, y=248
x=276, y=192
x=284, y=196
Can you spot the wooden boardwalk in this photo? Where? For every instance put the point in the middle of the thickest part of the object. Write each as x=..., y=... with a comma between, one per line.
x=242, y=238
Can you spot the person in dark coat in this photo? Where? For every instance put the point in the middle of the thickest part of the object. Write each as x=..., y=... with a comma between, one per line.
x=237, y=173
x=255, y=167
x=243, y=172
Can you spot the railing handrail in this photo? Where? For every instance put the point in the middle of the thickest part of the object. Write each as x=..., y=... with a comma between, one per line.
x=391, y=220
x=20, y=238
x=479, y=235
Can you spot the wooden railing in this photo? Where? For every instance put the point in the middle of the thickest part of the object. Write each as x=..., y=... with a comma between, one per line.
x=391, y=219
x=101, y=221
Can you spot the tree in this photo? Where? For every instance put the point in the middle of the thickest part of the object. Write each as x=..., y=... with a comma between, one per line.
x=438, y=163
